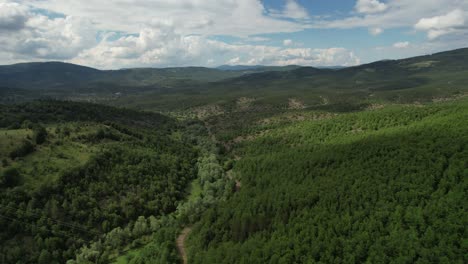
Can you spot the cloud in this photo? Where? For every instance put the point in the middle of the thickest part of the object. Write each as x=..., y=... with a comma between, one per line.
x=240, y=18
x=59, y=38
x=267, y=55
x=233, y=61
x=257, y=39
x=440, y=25
x=370, y=6
x=163, y=46
x=444, y=22
x=401, y=45
x=110, y=36
x=398, y=14
x=375, y=31
x=12, y=16
x=287, y=42
x=33, y=36
x=291, y=10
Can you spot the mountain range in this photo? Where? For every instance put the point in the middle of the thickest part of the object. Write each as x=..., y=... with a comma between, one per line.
x=422, y=78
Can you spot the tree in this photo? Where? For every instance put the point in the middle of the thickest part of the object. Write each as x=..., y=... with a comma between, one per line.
x=141, y=227
x=40, y=134
x=10, y=177
x=45, y=257
x=22, y=150
x=115, y=238
x=154, y=224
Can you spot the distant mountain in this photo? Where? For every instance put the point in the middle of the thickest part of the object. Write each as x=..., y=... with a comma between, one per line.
x=46, y=75
x=256, y=68
x=449, y=61
x=167, y=77
x=435, y=70
x=59, y=75
x=332, y=67
x=238, y=67
x=418, y=79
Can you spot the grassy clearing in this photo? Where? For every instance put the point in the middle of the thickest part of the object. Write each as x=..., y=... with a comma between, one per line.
x=64, y=150
x=47, y=163
x=194, y=190
x=10, y=138
x=129, y=255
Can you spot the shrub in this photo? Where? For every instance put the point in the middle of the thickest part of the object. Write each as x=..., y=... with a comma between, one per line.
x=10, y=177
x=40, y=134
x=22, y=150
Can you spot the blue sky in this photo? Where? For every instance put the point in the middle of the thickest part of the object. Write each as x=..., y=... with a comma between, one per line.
x=160, y=33
x=367, y=46
x=317, y=7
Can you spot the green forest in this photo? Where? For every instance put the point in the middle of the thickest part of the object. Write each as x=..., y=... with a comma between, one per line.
x=70, y=177
x=386, y=186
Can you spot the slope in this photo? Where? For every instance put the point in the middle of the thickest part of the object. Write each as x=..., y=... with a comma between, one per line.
x=74, y=173
x=60, y=76
x=421, y=79
x=378, y=186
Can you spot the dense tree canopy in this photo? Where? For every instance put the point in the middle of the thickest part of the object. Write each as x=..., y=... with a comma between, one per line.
x=386, y=186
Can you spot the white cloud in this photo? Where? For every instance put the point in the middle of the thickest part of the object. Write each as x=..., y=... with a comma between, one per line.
x=267, y=55
x=287, y=42
x=292, y=10
x=32, y=36
x=239, y=18
x=446, y=28
x=398, y=14
x=401, y=45
x=440, y=25
x=257, y=39
x=163, y=46
x=375, y=31
x=12, y=16
x=452, y=19
x=233, y=61
x=158, y=36
x=370, y=6
x=177, y=33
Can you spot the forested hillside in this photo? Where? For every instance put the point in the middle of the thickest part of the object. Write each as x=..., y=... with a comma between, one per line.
x=73, y=173
x=66, y=77
x=383, y=186
x=200, y=90
x=420, y=79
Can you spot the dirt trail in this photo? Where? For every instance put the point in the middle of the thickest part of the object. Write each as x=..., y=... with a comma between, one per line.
x=181, y=243
x=231, y=177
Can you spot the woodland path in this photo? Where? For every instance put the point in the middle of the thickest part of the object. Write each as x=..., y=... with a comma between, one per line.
x=180, y=242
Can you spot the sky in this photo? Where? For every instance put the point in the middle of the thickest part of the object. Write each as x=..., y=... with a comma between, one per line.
x=114, y=34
